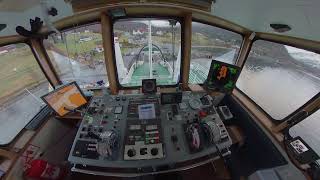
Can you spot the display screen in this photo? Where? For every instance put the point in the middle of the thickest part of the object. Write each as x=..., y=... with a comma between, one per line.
x=65, y=99
x=171, y=98
x=222, y=76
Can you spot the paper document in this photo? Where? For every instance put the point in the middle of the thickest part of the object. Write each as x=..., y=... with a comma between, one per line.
x=147, y=111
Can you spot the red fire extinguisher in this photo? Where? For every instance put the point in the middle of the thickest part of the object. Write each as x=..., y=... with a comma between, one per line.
x=42, y=170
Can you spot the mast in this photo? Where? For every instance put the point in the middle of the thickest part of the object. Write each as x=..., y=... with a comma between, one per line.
x=150, y=50
x=173, y=23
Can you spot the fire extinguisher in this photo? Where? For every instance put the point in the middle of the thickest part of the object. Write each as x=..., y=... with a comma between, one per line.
x=42, y=170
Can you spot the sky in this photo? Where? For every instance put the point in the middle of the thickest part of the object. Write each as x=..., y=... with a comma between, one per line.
x=158, y=23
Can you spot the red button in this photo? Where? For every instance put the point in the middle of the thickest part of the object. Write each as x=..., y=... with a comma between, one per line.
x=202, y=114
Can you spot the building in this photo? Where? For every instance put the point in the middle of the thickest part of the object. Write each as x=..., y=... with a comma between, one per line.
x=138, y=32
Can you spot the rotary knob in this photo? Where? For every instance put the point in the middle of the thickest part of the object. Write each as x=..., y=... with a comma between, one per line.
x=131, y=152
x=154, y=151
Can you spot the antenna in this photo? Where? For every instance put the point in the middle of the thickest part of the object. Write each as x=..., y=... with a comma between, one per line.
x=150, y=50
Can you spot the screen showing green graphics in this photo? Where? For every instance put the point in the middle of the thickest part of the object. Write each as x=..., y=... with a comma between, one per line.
x=222, y=76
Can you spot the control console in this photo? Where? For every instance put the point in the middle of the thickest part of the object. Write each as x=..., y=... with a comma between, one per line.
x=143, y=139
x=99, y=134
x=113, y=134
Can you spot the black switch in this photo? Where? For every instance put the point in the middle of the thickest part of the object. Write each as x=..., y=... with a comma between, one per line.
x=143, y=151
x=174, y=108
x=131, y=152
x=154, y=151
x=94, y=136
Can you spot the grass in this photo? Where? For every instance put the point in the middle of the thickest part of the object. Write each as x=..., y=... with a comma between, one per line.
x=18, y=70
x=200, y=39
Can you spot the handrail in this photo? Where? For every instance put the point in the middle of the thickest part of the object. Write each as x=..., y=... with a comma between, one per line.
x=117, y=174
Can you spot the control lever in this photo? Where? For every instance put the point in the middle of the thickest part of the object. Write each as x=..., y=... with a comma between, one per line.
x=174, y=139
x=94, y=136
x=73, y=110
x=174, y=108
x=193, y=136
x=108, y=145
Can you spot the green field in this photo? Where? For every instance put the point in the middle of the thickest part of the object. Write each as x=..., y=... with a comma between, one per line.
x=19, y=70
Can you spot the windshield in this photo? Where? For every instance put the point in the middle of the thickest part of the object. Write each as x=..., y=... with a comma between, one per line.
x=280, y=78
x=146, y=49
x=22, y=83
x=211, y=43
x=78, y=55
x=309, y=131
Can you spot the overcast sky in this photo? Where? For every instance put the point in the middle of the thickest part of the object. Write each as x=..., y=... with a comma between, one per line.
x=159, y=23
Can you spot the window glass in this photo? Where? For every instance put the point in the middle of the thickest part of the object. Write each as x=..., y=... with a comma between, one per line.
x=208, y=43
x=309, y=131
x=77, y=55
x=147, y=48
x=22, y=83
x=280, y=78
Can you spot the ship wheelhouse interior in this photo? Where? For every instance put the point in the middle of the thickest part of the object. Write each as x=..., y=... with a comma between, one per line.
x=112, y=46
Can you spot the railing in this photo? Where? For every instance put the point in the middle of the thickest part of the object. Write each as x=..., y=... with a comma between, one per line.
x=135, y=63
x=198, y=73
